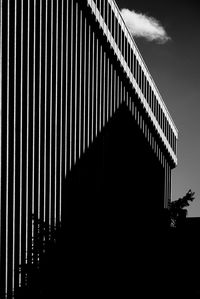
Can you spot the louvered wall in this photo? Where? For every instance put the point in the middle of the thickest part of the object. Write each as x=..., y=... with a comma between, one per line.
x=60, y=83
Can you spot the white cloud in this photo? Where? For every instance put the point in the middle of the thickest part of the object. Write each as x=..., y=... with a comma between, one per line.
x=144, y=26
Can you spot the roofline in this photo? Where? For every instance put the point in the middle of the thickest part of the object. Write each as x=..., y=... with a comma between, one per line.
x=131, y=36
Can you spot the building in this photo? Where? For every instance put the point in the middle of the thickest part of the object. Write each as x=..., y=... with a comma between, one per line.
x=70, y=75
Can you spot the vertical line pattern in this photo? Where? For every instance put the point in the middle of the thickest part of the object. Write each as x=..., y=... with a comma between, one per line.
x=45, y=112
x=88, y=98
x=97, y=72
x=39, y=133
x=21, y=152
x=71, y=90
x=7, y=145
x=84, y=96
x=93, y=90
x=40, y=87
x=167, y=185
x=111, y=90
x=0, y=64
x=27, y=131
x=50, y=117
x=67, y=82
x=100, y=96
x=114, y=87
x=108, y=89
x=33, y=149
x=76, y=75
x=61, y=112
x=14, y=151
x=118, y=90
x=56, y=118
x=121, y=95
x=170, y=186
x=80, y=85
x=104, y=86
x=0, y=121
x=93, y=93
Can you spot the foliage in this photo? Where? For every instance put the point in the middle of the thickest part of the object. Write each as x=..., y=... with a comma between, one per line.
x=177, y=208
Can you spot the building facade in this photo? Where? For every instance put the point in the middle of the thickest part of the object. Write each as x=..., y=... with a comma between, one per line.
x=66, y=68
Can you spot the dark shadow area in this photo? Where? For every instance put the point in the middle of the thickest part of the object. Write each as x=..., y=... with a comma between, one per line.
x=184, y=241
x=115, y=238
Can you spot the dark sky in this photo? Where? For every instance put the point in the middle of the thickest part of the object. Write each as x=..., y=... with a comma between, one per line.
x=175, y=67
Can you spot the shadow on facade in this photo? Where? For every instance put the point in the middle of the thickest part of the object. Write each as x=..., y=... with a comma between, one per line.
x=112, y=240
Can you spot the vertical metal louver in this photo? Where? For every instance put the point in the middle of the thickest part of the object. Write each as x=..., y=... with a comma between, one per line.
x=60, y=83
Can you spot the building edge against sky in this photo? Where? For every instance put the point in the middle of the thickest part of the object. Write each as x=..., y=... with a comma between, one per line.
x=124, y=47
x=50, y=114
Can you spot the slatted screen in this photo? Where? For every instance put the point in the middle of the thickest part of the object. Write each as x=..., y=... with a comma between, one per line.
x=60, y=83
